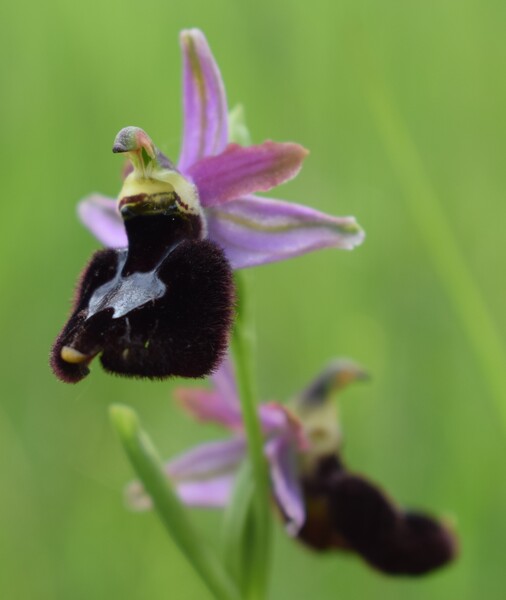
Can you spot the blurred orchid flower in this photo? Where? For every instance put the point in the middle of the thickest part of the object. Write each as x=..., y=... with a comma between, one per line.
x=323, y=504
x=252, y=230
x=205, y=475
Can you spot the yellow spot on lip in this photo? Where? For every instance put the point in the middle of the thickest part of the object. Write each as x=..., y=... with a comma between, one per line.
x=73, y=356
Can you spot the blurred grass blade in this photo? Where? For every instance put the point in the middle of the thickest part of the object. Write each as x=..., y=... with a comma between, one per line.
x=435, y=230
x=148, y=467
x=237, y=522
x=242, y=344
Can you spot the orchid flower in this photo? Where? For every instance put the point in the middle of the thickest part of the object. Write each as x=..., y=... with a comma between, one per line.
x=159, y=301
x=252, y=230
x=205, y=475
x=325, y=506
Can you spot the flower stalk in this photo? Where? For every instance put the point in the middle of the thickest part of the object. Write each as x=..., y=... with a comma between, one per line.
x=238, y=523
x=149, y=469
x=242, y=344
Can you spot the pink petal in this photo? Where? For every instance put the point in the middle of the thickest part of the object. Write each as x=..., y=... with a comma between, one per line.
x=207, y=460
x=212, y=493
x=285, y=482
x=239, y=171
x=100, y=215
x=203, y=476
x=273, y=418
x=279, y=421
x=254, y=230
x=221, y=405
x=209, y=406
x=224, y=382
x=204, y=101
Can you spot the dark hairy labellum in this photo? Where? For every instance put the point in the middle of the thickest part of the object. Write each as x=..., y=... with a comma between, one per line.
x=161, y=307
x=346, y=512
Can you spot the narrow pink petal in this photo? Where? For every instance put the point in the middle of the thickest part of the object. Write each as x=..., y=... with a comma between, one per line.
x=254, y=230
x=204, y=101
x=273, y=418
x=209, y=406
x=209, y=493
x=203, y=475
x=239, y=171
x=207, y=460
x=278, y=420
x=225, y=383
x=100, y=215
x=285, y=482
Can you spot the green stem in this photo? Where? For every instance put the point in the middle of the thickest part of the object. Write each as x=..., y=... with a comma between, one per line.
x=236, y=529
x=242, y=346
x=148, y=467
x=428, y=214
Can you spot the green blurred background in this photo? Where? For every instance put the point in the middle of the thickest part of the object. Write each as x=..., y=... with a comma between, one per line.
x=427, y=426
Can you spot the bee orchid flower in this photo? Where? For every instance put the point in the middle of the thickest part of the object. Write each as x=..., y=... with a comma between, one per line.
x=158, y=302
x=323, y=504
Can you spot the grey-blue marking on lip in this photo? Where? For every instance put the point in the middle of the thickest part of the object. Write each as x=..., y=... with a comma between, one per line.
x=123, y=294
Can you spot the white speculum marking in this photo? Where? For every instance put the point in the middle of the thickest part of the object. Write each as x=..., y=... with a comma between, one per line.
x=123, y=294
